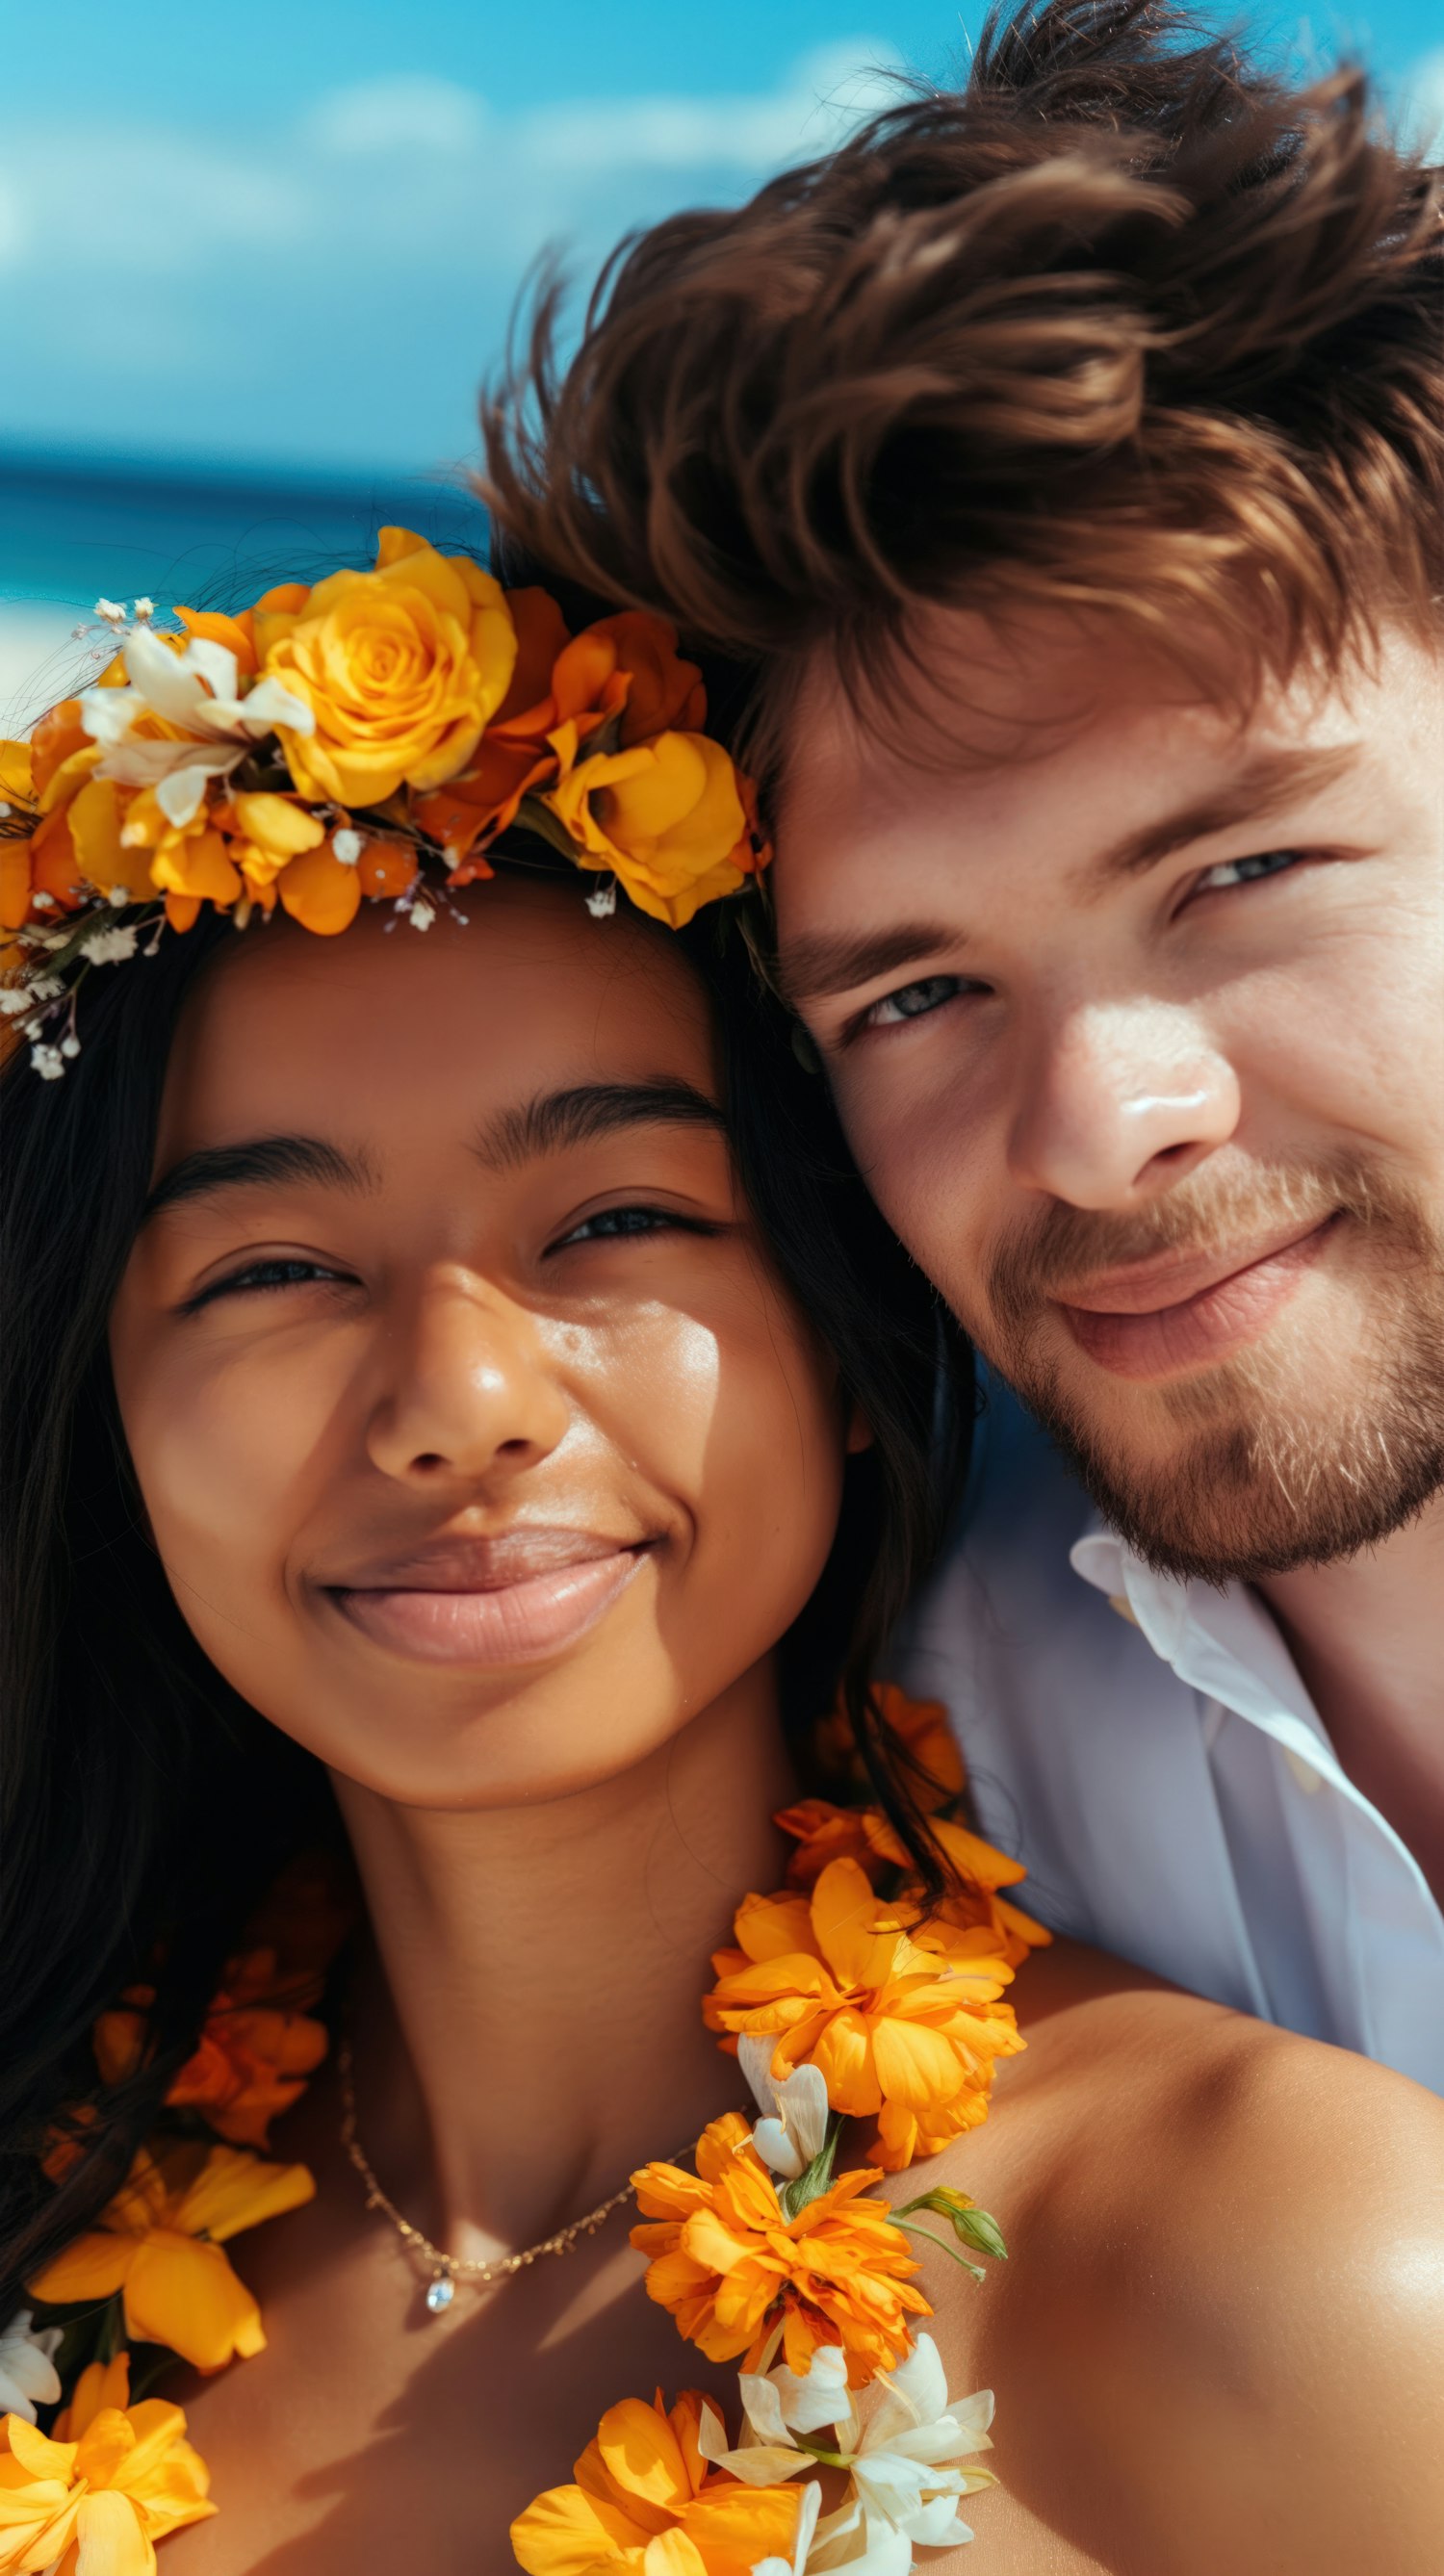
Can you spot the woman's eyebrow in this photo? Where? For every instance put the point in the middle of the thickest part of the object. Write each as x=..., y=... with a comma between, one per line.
x=261, y=1160
x=554, y=1120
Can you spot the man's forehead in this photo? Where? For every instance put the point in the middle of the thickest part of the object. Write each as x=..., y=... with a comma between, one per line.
x=992, y=721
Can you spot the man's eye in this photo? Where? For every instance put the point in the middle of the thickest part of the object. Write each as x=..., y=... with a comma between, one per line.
x=913, y=1001
x=1237, y=872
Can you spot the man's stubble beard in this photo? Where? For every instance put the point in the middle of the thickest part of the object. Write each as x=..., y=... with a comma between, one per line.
x=1266, y=1476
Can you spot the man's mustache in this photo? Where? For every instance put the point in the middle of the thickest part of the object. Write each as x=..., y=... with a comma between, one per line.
x=1225, y=1205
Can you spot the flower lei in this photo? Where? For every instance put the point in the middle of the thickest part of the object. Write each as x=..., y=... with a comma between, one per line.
x=371, y=736
x=841, y=1999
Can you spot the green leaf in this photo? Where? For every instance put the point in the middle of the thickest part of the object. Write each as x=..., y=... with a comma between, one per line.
x=815, y=2178
x=971, y=2225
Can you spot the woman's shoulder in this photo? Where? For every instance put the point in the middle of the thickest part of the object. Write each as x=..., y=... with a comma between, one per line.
x=1219, y=2336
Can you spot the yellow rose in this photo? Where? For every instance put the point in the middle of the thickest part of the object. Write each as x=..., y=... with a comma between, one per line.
x=401, y=667
x=665, y=816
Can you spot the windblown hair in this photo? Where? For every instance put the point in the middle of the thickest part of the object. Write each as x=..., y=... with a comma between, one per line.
x=1125, y=325
x=144, y=1806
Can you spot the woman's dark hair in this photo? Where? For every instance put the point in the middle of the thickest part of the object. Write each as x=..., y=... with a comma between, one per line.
x=145, y=1806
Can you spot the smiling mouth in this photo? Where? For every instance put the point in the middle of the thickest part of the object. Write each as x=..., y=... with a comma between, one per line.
x=511, y=1600
x=1165, y=1317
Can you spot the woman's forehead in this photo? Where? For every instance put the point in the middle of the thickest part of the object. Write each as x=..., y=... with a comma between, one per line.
x=394, y=1029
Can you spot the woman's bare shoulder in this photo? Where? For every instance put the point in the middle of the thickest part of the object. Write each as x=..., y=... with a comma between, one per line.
x=1219, y=2336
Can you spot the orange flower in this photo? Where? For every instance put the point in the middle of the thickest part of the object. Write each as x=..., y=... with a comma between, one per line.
x=666, y=817
x=730, y=2265
x=902, y=2029
x=645, y=2499
x=251, y=2062
x=160, y=2243
x=920, y=1726
x=98, y=2493
x=562, y=690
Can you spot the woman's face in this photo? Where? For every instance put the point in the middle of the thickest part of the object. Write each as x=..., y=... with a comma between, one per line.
x=478, y=1439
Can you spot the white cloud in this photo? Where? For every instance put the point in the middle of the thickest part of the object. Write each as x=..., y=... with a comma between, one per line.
x=1424, y=96
x=411, y=113
x=333, y=286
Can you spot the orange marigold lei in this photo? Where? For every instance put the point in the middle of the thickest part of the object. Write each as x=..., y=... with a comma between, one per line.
x=842, y=1999
x=368, y=736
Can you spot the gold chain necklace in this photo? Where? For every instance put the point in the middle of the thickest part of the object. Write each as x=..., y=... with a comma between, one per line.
x=447, y=2269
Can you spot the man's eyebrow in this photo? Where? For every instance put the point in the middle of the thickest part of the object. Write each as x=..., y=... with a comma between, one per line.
x=261, y=1162
x=822, y=963
x=555, y=1120
x=1269, y=782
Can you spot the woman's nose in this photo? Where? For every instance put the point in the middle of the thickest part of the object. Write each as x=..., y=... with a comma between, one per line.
x=469, y=1387
x=1119, y=1102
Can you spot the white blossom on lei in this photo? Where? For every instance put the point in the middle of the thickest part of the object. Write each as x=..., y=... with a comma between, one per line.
x=197, y=694
x=904, y=2457
x=794, y=2126
x=28, y=2376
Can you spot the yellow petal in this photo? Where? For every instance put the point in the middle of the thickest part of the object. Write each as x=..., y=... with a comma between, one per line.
x=563, y=2533
x=101, y=2383
x=278, y=825
x=104, y=859
x=94, y=2267
x=844, y=1909
x=15, y=773
x=673, y=2554
x=641, y=2455
x=184, y=2294
x=915, y=2065
x=112, y=2538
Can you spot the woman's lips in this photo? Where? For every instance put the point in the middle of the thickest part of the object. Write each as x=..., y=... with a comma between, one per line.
x=1137, y=1325
x=509, y=1601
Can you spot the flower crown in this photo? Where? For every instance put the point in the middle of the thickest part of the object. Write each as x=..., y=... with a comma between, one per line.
x=336, y=742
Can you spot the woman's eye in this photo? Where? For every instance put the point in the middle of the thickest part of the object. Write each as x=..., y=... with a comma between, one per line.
x=1237, y=872
x=610, y=1223
x=913, y=1001
x=263, y=1275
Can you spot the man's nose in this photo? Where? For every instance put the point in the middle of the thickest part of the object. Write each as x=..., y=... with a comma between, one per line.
x=1117, y=1102
x=469, y=1387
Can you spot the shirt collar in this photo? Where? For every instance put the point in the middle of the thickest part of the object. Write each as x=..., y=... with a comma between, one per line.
x=1219, y=1641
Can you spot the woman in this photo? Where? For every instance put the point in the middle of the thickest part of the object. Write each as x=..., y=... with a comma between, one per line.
x=462, y=1405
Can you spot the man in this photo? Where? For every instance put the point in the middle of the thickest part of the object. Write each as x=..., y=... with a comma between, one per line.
x=1065, y=459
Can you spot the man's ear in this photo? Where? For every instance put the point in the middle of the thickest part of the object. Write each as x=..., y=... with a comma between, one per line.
x=859, y=1431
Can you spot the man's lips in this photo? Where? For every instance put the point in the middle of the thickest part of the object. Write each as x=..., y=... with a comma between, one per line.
x=515, y=1598
x=1175, y=1312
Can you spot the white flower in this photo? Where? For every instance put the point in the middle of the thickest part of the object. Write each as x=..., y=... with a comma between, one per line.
x=145, y=608
x=421, y=913
x=903, y=2460
x=795, y=2128
x=48, y=1062
x=112, y=610
x=108, y=947
x=196, y=691
x=14, y=999
x=27, y=2374
x=603, y=903
x=347, y=847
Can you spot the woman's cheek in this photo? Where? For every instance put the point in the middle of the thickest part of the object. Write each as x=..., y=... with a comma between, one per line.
x=231, y=1463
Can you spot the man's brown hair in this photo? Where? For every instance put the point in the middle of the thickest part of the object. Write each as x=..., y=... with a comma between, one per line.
x=1126, y=324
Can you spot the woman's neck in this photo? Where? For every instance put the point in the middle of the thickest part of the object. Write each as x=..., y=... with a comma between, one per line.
x=535, y=2030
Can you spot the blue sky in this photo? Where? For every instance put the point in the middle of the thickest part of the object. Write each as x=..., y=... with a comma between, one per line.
x=293, y=232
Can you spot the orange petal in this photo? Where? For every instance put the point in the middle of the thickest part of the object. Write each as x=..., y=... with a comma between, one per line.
x=319, y=892
x=94, y=2267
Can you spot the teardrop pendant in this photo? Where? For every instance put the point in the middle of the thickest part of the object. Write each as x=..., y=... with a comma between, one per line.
x=440, y=2293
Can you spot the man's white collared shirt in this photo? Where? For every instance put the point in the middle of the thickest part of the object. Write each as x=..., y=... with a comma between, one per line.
x=1147, y=1747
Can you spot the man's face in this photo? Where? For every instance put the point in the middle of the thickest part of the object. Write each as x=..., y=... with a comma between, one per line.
x=1134, y=1012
